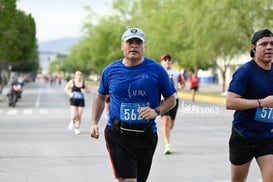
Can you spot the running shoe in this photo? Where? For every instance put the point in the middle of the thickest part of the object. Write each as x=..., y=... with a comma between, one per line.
x=167, y=149
x=71, y=125
x=77, y=131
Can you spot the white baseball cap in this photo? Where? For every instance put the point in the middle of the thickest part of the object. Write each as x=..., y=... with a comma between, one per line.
x=133, y=33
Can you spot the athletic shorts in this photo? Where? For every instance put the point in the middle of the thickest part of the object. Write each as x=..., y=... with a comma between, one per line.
x=131, y=155
x=194, y=88
x=173, y=111
x=77, y=102
x=243, y=150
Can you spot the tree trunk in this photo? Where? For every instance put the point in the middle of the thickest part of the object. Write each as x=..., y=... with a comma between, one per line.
x=223, y=73
x=4, y=77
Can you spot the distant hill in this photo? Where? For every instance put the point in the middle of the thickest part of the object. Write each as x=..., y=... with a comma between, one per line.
x=61, y=46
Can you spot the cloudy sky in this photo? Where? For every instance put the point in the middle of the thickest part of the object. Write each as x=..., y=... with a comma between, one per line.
x=61, y=18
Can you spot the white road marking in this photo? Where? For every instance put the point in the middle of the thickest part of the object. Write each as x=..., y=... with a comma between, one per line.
x=43, y=111
x=12, y=112
x=27, y=111
x=37, y=103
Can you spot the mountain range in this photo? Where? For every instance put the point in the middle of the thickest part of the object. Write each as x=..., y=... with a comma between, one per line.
x=60, y=46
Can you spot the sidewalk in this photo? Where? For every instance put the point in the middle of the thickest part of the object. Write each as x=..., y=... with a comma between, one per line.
x=204, y=98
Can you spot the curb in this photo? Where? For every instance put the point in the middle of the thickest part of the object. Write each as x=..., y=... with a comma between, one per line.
x=202, y=98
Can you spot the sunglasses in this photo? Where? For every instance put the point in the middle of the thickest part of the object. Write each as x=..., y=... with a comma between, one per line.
x=167, y=60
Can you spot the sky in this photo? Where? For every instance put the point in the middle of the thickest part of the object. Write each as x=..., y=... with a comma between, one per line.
x=57, y=19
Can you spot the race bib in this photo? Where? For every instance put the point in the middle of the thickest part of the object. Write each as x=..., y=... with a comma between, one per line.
x=129, y=113
x=77, y=95
x=19, y=86
x=264, y=114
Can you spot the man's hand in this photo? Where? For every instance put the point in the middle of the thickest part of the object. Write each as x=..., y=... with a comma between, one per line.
x=267, y=101
x=94, y=131
x=147, y=113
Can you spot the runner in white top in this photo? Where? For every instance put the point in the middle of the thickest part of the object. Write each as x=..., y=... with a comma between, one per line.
x=168, y=118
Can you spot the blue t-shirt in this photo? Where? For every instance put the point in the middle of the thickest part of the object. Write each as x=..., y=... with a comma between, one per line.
x=132, y=86
x=252, y=82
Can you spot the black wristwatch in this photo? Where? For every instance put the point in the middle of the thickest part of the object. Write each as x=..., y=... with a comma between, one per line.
x=157, y=110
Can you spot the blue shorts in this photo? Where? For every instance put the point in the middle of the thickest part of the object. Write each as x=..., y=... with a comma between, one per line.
x=131, y=155
x=243, y=150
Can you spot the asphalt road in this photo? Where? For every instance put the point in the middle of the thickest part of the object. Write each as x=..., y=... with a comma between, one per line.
x=35, y=145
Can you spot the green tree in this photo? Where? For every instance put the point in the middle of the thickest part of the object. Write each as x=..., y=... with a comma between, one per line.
x=26, y=44
x=99, y=47
x=18, y=48
x=17, y=35
x=224, y=30
x=199, y=34
x=8, y=30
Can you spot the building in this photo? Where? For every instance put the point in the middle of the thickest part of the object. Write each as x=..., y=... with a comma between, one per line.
x=45, y=57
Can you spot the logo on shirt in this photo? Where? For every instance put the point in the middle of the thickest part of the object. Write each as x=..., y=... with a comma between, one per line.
x=136, y=93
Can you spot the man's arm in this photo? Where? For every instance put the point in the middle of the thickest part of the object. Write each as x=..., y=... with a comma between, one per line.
x=97, y=109
x=181, y=81
x=236, y=102
x=167, y=104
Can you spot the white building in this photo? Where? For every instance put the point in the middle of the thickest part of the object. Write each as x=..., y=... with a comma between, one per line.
x=45, y=57
x=214, y=75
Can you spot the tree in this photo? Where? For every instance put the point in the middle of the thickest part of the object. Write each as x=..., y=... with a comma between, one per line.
x=99, y=47
x=224, y=30
x=18, y=48
x=26, y=44
x=199, y=34
x=8, y=30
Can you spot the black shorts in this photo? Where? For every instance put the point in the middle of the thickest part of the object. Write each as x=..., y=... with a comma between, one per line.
x=131, y=155
x=194, y=88
x=173, y=111
x=243, y=150
x=77, y=102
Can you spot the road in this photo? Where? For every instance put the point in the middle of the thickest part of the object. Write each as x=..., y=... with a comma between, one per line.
x=35, y=145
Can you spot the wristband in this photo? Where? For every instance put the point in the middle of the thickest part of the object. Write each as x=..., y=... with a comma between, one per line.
x=157, y=110
x=259, y=102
